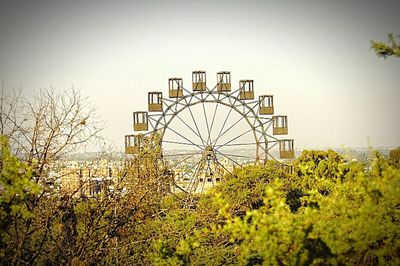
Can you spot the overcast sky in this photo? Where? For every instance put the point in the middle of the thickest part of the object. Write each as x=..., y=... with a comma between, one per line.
x=313, y=56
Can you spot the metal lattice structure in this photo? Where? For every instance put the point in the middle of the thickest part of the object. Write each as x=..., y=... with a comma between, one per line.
x=207, y=132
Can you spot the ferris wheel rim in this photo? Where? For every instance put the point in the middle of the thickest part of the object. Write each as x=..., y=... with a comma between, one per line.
x=216, y=100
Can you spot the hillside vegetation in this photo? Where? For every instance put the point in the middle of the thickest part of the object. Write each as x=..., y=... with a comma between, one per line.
x=328, y=211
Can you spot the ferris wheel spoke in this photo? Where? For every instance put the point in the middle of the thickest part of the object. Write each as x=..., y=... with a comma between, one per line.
x=235, y=138
x=199, y=169
x=179, y=134
x=208, y=168
x=179, y=187
x=195, y=124
x=208, y=128
x=238, y=144
x=239, y=156
x=229, y=113
x=180, y=154
x=223, y=126
x=217, y=162
x=183, y=121
x=193, y=179
x=228, y=157
x=240, y=119
x=213, y=119
x=185, y=159
x=178, y=142
x=234, y=124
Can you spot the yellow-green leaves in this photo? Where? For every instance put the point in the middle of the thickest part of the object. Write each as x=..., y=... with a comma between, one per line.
x=392, y=48
x=16, y=188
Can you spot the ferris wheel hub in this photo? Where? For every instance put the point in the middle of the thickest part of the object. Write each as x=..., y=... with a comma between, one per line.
x=209, y=153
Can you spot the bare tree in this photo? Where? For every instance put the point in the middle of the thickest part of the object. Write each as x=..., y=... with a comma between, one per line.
x=9, y=113
x=48, y=126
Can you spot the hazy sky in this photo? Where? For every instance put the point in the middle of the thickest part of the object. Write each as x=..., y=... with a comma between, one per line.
x=313, y=56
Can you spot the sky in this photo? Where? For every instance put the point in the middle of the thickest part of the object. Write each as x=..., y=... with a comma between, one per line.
x=313, y=56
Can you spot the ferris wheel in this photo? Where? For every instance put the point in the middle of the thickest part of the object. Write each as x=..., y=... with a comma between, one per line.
x=207, y=132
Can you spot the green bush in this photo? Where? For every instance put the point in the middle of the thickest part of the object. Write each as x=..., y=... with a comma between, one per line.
x=344, y=214
x=327, y=212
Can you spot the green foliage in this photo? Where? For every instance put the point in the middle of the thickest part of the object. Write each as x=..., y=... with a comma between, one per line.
x=360, y=219
x=394, y=157
x=44, y=227
x=392, y=48
x=16, y=188
x=244, y=190
x=345, y=214
x=327, y=212
x=316, y=171
x=319, y=165
x=274, y=235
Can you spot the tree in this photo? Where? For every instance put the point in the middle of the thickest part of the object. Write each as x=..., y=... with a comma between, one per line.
x=40, y=225
x=16, y=188
x=48, y=126
x=394, y=157
x=392, y=48
x=39, y=131
x=356, y=223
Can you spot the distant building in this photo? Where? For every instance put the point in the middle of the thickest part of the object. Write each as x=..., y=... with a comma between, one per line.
x=87, y=178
